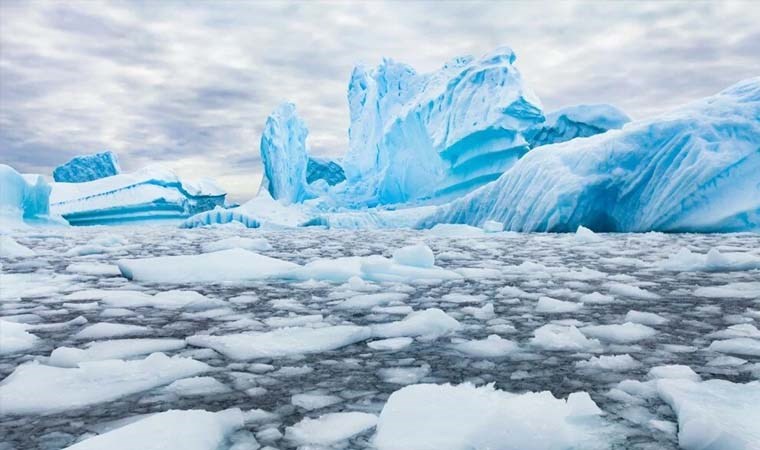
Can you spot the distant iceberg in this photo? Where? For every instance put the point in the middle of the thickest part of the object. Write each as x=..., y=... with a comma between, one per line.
x=24, y=199
x=150, y=194
x=693, y=169
x=576, y=121
x=85, y=168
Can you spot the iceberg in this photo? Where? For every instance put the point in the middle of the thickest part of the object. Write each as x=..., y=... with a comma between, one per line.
x=24, y=198
x=283, y=152
x=151, y=194
x=693, y=169
x=85, y=168
x=324, y=169
x=464, y=121
x=576, y=121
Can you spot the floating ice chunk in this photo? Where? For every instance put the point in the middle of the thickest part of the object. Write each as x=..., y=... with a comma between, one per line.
x=404, y=375
x=14, y=338
x=644, y=318
x=189, y=387
x=283, y=341
x=455, y=230
x=494, y=346
x=485, y=312
x=428, y=323
x=750, y=290
x=227, y=265
x=492, y=226
x=726, y=361
x=391, y=344
x=12, y=249
x=110, y=330
x=257, y=244
x=368, y=301
x=329, y=429
x=559, y=337
x=446, y=417
x=713, y=261
x=173, y=429
x=673, y=371
x=551, y=305
x=714, y=414
x=627, y=290
x=737, y=346
x=455, y=297
x=377, y=268
x=596, y=297
x=313, y=401
x=617, y=363
x=738, y=330
x=619, y=334
x=293, y=321
x=59, y=389
x=418, y=255
x=585, y=236
x=581, y=404
x=112, y=349
x=94, y=269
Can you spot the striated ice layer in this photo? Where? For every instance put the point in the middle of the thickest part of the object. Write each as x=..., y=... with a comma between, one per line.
x=576, y=121
x=150, y=194
x=88, y=168
x=415, y=136
x=693, y=169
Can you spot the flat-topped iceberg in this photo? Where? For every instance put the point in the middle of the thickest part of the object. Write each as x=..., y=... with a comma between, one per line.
x=153, y=193
x=87, y=168
x=692, y=169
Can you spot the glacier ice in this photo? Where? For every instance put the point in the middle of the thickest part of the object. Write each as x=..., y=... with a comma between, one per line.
x=693, y=169
x=23, y=198
x=151, y=194
x=576, y=121
x=283, y=152
x=324, y=169
x=87, y=168
x=415, y=136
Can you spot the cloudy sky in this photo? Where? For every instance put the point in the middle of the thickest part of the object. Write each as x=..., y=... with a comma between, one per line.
x=190, y=84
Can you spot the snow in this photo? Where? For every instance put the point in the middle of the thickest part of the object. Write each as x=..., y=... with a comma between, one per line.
x=112, y=349
x=576, y=121
x=446, y=417
x=12, y=249
x=714, y=414
x=692, y=169
x=173, y=429
x=712, y=261
x=464, y=121
x=60, y=389
x=283, y=153
x=87, y=168
x=153, y=193
x=23, y=199
x=494, y=346
x=14, y=338
x=329, y=429
x=253, y=244
x=619, y=334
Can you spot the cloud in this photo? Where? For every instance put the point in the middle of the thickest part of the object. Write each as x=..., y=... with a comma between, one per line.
x=190, y=84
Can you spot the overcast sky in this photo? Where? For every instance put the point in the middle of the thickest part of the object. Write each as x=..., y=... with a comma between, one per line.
x=190, y=84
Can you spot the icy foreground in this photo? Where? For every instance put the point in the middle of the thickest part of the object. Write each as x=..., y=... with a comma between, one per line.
x=150, y=194
x=591, y=340
x=693, y=169
x=87, y=168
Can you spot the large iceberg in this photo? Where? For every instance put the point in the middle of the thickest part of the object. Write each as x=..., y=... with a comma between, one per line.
x=419, y=136
x=576, y=121
x=151, y=194
x=87, y=168
x=324, y=169
x=283, y=152
x=23, y=198
x=692, y=169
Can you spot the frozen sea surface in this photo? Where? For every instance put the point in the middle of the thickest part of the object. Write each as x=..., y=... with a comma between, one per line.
x=621, y=317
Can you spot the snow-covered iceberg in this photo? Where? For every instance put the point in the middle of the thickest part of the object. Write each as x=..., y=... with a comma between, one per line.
x=151, y=194
x=692, y=169
x=416, y=136
x=283, y=152
x=23, y=198
x=576, y=121
x=87, y=168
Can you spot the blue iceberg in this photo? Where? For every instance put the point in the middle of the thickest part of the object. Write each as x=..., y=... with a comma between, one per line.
x=693, y=169
x=150, y=194
x=576, y=121
x=24, y=199
x=324, y=169
x=85, y=168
